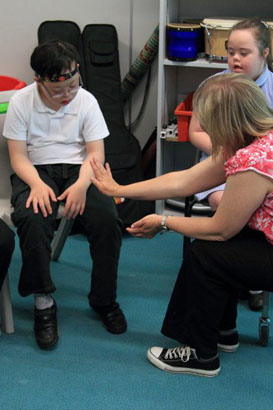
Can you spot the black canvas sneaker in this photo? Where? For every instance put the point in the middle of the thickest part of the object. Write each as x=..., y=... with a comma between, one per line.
x=228, y=341
x=183, y=359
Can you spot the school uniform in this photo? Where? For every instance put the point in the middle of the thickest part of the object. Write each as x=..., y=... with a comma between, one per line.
x=56, y=147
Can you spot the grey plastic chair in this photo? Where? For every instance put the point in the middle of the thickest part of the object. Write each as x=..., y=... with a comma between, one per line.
x=6, y=315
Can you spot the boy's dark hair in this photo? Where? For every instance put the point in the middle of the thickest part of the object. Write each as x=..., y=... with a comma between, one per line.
x=53, y=57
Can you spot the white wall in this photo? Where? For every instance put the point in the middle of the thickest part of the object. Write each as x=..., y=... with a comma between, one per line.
x=20, y=21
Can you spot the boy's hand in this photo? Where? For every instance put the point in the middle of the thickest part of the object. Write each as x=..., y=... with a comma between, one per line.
x=146, y=227
x=103, y=179
x=75, y=199
x=40, y=196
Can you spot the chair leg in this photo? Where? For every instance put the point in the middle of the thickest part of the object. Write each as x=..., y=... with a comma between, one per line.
x=6, y=308
x=189, y=202
x=266, y=297
x=60, y=237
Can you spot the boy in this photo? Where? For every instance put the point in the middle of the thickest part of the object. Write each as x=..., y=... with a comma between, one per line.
x=53, y=128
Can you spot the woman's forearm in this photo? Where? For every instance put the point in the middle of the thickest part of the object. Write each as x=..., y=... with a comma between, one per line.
x=199, y=228
x=164, y=186
x=202, y=176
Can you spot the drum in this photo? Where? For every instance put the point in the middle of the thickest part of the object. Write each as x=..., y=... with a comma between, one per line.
x=183, y=41
x=216, y=35
x=201, y=39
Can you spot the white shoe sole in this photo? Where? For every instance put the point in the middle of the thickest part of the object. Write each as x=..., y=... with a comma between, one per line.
x=163, y=366
x=228, y=348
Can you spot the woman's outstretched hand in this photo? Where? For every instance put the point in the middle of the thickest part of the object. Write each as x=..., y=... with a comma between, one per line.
x=146, y=227
x=103, y=179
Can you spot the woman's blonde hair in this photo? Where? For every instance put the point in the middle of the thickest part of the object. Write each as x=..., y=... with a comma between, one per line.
x=232, y=110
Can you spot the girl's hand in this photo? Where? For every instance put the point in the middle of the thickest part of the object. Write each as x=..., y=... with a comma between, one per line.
x=146, y=227
x=75, y=199
x=103, y=179
x=40, y=196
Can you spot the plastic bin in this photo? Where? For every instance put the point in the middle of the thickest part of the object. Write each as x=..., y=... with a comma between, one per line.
x=3, y=107
x=8, y=86
x=184, y=113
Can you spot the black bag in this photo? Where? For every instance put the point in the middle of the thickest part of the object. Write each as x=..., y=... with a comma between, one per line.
x=98, y=48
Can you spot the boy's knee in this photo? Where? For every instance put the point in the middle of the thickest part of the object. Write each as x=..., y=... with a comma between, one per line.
x=102, y=221
x=37, y=224
x=107, y=220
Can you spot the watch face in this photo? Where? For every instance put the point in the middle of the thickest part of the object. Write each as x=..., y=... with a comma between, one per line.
x=164, y=227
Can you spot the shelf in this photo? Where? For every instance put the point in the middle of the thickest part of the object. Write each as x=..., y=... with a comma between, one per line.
x=176, y=79
x=172, y=139
x=200, y=63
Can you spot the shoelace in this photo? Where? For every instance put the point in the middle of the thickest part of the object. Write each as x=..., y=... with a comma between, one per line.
x=183, y=352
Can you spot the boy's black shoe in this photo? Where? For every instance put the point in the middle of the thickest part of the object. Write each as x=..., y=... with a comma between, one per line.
x=183, y=359
x=228, y=341
x=45, y=327
x=112, y=318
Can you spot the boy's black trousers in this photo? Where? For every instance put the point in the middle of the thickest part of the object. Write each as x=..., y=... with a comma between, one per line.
x=100, y=222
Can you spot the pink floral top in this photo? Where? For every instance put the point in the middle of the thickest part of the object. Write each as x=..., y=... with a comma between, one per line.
x=257, y=157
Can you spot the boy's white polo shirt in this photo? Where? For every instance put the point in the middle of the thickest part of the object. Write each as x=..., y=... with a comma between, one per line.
x=54, y=136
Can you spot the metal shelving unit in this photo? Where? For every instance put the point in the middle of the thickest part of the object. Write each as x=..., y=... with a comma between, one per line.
x=177, y=79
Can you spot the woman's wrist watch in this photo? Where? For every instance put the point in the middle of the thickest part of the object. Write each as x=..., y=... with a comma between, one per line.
x=163, y=225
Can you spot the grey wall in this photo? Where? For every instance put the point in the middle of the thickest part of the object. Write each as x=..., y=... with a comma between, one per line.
x=134, y=20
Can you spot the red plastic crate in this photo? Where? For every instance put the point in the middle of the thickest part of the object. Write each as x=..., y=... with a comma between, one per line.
x=10, y=83
x=184, y=113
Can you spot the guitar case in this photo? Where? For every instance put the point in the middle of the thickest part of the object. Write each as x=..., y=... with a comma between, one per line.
x=98, y=48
